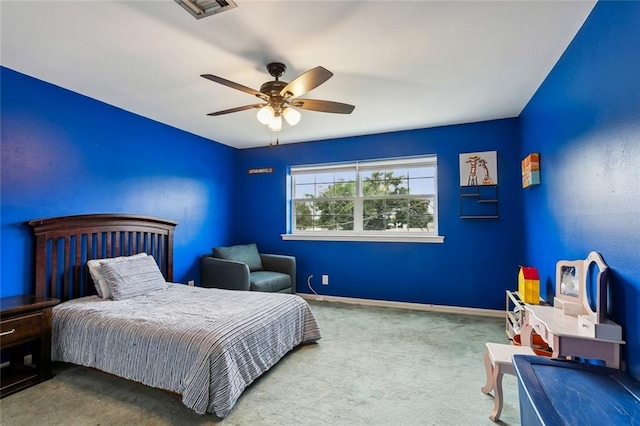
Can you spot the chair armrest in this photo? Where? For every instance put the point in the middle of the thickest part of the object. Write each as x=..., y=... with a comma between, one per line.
x=280, y=263
x=225, y=274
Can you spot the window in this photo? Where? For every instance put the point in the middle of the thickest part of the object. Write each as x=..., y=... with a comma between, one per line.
x=388, y=200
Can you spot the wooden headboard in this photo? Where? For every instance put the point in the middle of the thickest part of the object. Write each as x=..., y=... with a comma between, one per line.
x=65, y=244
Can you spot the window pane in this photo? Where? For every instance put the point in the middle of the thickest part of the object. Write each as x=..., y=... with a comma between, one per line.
x=384, y=182
x=398, y=185
x=422, y=186
x=304, y=215
x=336, y=223
x=418, y=216
x=345, y=176
x=304, y=190
x=375, y=214
x=375, y=182
x=375, y=223
x=344, y=222
x=316, y=227
x=371, y=187
x=424, y=171
x=324, y=177
x=300, y=179
x=331, y=185
x=399, y=171
x=323, y=190
x=335, y=215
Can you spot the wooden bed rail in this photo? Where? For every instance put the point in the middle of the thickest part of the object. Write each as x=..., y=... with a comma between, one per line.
x=65, y=244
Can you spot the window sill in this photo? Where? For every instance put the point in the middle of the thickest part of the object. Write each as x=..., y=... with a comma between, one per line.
x=391, y=238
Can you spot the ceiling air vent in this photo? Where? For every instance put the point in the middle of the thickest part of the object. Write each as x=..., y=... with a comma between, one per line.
x=202, y=8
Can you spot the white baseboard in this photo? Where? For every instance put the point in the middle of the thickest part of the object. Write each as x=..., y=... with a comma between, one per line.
x=406, y=305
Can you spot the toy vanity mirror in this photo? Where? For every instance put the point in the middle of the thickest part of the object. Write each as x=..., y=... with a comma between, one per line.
x=581, y=286
x=569, y=279
x=582, y=291
x=570, y=289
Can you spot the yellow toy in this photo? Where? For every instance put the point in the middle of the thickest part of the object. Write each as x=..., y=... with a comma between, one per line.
x=529, y=285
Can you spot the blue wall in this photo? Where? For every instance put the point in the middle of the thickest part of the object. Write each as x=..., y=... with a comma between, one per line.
x=585, y=122
x=478, y=260
x=65, y=154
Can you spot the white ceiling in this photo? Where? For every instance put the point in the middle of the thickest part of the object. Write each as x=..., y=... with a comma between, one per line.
x=403, y=64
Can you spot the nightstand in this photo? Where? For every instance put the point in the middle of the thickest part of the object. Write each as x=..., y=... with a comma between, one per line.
x=25, y=328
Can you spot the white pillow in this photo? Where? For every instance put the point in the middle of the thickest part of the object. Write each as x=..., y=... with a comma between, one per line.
x=133, y=277
x=98, y=277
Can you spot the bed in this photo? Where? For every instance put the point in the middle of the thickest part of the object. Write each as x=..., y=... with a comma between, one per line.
x=207, y=345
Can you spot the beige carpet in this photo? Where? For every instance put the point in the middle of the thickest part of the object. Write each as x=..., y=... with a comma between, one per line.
x=373, y=366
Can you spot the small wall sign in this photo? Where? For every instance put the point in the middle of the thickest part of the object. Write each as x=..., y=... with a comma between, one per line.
x=260, y=170
x=531, y=170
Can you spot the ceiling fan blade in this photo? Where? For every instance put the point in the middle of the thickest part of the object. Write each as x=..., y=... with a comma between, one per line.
x=323, y=106
x=237, y=109
x=306, y=82
x=236, y=86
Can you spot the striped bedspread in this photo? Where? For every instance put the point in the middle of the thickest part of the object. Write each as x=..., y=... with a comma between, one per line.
x=206, y=344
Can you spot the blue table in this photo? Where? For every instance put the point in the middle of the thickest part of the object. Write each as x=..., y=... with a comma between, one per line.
x=558, y=392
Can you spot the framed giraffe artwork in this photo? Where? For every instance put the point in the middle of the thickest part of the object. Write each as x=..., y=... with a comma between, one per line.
x=479, y=168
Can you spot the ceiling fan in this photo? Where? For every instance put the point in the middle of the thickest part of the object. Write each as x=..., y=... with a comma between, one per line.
x=280, y=99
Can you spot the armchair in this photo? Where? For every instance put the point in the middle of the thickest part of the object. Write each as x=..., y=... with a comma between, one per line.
x=241, y=267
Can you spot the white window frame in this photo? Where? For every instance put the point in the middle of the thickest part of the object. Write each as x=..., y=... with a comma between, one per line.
x=358, y=234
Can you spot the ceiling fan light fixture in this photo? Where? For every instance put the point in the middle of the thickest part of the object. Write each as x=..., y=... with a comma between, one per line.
x=292, y=116
x=266, y=114
x=279, y=98
x=276, y=124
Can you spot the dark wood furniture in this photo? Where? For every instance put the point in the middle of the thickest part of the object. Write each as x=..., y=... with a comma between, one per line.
x=65, y=244
x=25, y=328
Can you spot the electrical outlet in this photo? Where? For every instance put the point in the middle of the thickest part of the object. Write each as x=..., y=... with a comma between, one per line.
x=325, y=280
x=191, y=283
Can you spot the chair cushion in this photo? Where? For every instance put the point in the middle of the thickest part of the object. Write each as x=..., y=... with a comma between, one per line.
x=247, y=253
x=269, y=281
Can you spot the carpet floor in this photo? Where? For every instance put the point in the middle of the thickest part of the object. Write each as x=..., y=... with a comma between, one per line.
x=373, y=366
